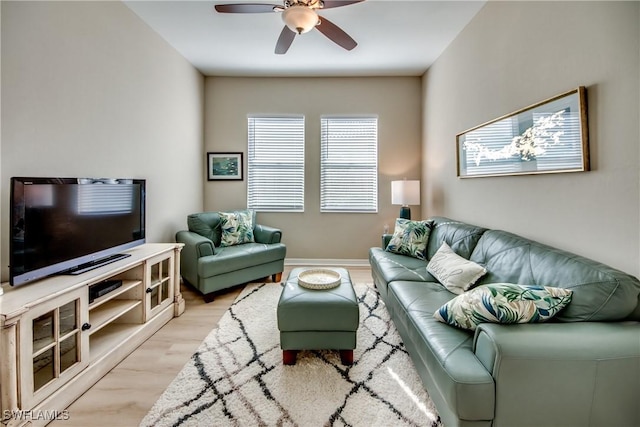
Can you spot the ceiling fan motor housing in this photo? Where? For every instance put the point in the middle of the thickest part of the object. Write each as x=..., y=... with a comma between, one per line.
x=314, y=4
x=300, y=18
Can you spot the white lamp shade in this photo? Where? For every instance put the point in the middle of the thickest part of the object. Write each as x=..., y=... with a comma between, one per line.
x=299, y=19
x=405, y=192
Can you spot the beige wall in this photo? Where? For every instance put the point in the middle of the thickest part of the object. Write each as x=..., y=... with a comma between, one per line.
x=315, y=235
x=90, y=90
x=512, y=55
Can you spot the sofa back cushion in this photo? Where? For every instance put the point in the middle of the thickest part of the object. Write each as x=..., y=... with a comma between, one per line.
x=599, y=291
x=461, y=238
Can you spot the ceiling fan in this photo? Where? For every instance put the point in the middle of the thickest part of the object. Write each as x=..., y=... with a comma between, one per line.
x=299, y=16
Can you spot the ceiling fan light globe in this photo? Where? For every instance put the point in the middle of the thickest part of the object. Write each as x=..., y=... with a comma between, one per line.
x=300, y=19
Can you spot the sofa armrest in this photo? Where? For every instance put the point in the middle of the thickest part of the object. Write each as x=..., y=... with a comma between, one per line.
x=386, y=238
x=265, y=234
x=583, y=373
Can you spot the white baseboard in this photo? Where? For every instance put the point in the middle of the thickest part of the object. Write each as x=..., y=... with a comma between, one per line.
x=326, y=262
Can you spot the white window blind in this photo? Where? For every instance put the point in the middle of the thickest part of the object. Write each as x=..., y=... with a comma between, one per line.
x=276, y=163
x=349, y=164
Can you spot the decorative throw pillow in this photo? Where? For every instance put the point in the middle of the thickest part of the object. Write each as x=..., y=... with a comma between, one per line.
x=503, y=303
x=237, y=227
x=409, y=238
x=455, y=272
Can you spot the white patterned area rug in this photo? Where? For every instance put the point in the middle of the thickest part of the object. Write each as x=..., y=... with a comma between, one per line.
x=236, y=377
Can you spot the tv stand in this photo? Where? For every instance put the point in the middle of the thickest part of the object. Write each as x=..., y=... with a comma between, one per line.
x=88, y=266
x=61, y=334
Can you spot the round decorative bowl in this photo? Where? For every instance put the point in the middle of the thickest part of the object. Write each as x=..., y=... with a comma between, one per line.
x=319, y=278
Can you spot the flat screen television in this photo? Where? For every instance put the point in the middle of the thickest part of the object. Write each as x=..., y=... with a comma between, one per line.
x=72, y=225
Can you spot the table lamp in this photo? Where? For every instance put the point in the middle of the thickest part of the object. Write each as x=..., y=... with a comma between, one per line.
x=405, y=193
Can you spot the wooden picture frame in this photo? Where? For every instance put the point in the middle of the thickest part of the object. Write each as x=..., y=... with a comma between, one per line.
x=224, y=167
x=548, y=137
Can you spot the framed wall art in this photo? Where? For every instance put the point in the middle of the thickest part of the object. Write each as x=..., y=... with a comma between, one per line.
x=548, y=137
x=224, y=166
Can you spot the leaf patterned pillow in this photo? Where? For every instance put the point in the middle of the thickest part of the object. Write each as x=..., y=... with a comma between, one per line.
x=410, y=238
x=237, y=227
x=503, y=303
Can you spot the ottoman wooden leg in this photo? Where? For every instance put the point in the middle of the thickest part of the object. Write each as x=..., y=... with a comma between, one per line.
x=289, y=357
x=346, y=357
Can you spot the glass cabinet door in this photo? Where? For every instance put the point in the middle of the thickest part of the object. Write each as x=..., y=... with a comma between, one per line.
x=159, y=289
x=58, y=345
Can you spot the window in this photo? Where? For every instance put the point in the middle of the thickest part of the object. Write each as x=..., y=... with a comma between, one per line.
x=276, y=163
x=349, y=164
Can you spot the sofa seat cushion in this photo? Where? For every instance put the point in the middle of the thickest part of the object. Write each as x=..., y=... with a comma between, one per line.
x=391, y=266
x=600, y=293
x=233, y=258
x=447, y=352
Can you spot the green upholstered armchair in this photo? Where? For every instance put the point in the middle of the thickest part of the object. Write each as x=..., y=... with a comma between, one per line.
x=209, y=266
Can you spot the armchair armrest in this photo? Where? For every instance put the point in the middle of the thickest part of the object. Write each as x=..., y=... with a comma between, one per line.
x=265, y=234
x=200, y=245
x=583, y=373
x=195, y=247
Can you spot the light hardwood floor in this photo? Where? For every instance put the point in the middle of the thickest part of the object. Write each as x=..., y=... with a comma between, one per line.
x=125, y=395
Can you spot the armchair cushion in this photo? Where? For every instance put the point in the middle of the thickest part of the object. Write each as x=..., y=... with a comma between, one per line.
x=206, y=224
x=238, y=257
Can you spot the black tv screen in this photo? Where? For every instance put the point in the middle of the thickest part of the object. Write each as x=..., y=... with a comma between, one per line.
x=70, y=225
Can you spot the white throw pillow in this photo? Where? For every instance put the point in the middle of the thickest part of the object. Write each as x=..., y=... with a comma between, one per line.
x=454, y=272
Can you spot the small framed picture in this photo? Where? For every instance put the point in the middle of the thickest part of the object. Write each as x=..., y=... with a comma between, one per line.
x=224, y=166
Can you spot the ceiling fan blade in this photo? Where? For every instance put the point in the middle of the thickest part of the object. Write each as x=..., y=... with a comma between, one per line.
x=246, y=8
x=336, y=34
x=328, y=4
x=285, y=40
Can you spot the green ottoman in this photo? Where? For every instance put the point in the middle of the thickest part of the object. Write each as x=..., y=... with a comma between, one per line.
x=318, y=319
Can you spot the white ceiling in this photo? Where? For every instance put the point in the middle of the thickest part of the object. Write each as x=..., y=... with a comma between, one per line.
x=395, y=38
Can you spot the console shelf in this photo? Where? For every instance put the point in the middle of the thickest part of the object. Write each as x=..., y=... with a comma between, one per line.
x=110, y=312
x=126, y=286
x=106, y=339
x=54, y=344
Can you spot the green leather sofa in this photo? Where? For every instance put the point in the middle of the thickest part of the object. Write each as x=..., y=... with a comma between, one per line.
x=582, y=368
x=209, y=267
